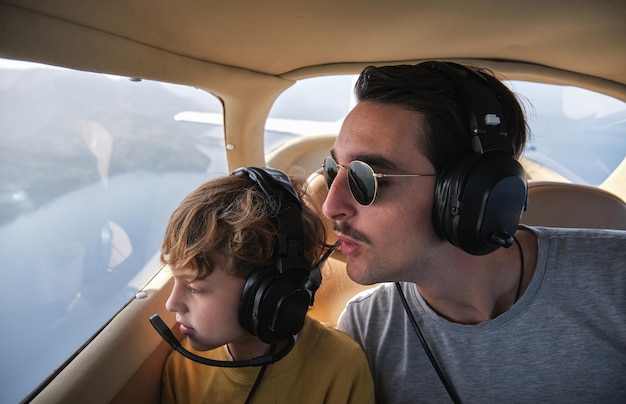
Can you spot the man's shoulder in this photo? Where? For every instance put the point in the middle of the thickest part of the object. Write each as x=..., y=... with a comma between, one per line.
x=576, y=242
x=578, y=233
x=373, y=303
x=380, y=292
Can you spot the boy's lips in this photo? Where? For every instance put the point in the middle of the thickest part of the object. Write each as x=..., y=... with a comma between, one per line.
x=185, y=330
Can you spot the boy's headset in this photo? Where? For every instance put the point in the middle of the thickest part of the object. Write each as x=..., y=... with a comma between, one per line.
x=479, y=200
x=275, y=299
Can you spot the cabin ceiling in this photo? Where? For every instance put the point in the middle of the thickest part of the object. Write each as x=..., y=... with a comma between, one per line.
x=282, y=36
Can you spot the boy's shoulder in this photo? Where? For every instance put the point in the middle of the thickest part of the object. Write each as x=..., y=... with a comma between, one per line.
x=326, y=336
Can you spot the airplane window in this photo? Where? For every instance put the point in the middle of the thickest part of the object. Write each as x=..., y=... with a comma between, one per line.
x=91, y=168
x=577, y=135
x=309, y=107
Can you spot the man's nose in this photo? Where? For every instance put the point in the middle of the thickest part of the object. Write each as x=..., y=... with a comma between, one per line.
x=338, y=202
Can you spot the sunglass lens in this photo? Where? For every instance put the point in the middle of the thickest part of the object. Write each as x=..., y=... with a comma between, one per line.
x=362, y=182
x=330, y=171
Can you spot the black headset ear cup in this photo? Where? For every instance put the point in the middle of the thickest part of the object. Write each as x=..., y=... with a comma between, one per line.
x=274, y=301
x=479, y=202
x=446, y=202
x=273, y=306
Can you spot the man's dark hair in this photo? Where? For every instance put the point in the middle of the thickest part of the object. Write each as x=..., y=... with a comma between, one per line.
x=438, y=96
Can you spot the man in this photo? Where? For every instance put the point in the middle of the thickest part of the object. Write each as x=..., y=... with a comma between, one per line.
x=425, y=191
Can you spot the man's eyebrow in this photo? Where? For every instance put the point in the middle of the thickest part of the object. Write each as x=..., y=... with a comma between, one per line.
x=376, y=161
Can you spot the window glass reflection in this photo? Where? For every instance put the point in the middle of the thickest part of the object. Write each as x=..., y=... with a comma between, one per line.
x=91, y=167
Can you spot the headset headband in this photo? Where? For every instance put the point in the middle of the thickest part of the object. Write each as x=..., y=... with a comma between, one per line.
x=481, y=103
x=274, y=183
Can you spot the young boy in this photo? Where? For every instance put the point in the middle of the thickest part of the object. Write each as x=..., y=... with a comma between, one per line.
x=241, y=249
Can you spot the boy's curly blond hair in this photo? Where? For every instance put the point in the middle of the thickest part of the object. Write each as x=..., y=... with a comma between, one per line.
x=230, y=223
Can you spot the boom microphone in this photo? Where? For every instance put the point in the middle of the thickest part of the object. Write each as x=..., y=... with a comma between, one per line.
x=315, y=277
x=169, y=337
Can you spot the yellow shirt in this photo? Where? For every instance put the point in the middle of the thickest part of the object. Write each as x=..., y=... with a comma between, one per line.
x=324, y=366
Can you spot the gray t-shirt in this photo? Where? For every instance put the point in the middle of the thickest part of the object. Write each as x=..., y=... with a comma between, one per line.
x=564, y=341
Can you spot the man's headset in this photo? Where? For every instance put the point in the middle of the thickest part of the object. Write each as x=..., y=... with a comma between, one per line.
x=276, y=298
x=479, y=200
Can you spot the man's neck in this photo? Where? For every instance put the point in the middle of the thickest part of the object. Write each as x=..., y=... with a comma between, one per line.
x=470, y=289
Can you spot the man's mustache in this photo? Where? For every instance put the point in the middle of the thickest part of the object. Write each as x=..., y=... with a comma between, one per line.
x=349, y=231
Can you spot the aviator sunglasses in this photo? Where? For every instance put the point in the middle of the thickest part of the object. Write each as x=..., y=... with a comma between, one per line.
x=362, y=180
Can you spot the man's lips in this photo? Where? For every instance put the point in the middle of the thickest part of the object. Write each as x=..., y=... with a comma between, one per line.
x=348, y=246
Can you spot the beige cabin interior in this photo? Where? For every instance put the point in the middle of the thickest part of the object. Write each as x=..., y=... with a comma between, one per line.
x=247, y=53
